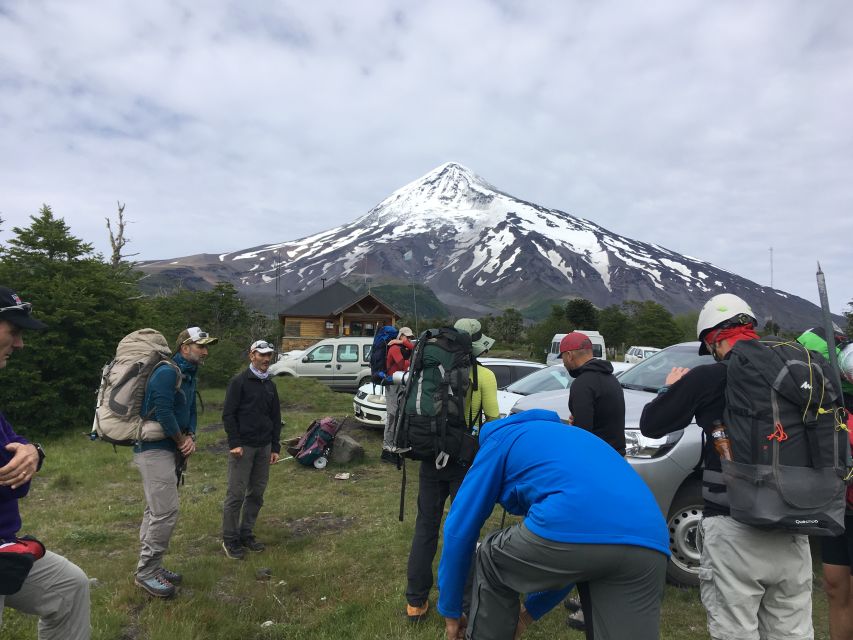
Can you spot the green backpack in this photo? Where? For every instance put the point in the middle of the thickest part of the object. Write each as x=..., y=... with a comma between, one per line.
x=431, y=422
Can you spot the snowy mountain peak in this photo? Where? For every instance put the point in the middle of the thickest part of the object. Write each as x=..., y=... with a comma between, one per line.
x=448, y=188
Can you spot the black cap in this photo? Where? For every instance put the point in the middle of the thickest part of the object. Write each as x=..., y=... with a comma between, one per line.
x=17, y=312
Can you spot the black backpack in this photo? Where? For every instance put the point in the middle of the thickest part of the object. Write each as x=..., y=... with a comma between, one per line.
x=431, y=422
x=786, y=425
x=379, y=351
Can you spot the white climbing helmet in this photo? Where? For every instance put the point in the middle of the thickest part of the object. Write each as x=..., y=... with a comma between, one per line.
x=845, y=362
x=720, y=309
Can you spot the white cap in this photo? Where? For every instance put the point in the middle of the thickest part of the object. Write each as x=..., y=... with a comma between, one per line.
x=262, y=346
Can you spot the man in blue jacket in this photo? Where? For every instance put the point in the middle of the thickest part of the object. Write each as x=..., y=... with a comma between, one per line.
x=161, y=462
x=588, y=517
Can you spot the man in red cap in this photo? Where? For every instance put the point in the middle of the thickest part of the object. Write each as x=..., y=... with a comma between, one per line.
x=597, y=405
x=596, y=401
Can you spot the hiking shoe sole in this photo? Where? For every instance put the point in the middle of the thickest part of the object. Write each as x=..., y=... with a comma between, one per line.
x=416, y=614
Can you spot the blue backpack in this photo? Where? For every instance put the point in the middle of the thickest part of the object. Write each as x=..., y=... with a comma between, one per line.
x=316, y=442
x=379, y=351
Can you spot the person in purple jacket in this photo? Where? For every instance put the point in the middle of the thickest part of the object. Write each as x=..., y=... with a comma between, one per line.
x=32, y=580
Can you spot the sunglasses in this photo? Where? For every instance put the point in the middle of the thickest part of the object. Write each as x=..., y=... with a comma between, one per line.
x=26, y=307
x=263, y=345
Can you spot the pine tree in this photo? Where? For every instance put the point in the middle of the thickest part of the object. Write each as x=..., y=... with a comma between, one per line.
x=88, y=306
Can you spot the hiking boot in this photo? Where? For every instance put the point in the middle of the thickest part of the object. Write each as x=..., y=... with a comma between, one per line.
x=252, y=544
x=576, y=621
x=171, y=576
x=572, y=604
x=233, y=550
x=416, y=614
x=156, y=585
x=389, y=456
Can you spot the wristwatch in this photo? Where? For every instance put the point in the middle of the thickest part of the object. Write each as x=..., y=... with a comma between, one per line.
x=41, y=455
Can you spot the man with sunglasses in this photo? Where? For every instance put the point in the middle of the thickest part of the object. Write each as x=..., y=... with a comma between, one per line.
x=171, y=400
x=252, y=417
x=32, y=580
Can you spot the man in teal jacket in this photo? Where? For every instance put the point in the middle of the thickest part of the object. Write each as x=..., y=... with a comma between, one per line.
x=588, y=517
x=160, y=462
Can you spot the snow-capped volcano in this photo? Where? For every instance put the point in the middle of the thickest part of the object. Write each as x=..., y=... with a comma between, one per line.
x=479, y=248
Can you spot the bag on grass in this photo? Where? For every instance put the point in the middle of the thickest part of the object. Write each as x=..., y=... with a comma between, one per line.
x=789, y=442
x=316, y=442
x=118, y=418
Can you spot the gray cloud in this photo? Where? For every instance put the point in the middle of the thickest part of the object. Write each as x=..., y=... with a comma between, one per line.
x=714, y=129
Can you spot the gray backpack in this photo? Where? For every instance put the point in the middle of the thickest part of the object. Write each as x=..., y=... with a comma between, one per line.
x=786, y=425
x=118, y=412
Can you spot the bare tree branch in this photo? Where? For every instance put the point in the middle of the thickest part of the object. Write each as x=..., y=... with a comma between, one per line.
x=118, y=240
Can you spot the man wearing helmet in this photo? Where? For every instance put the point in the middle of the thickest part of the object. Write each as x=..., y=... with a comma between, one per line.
x=754, y=583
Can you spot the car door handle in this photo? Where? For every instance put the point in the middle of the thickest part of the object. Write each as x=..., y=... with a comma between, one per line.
x=328, y=366
x=338, y=367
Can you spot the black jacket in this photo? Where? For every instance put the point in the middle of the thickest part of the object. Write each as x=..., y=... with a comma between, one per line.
x=252, y=413
x=700, y=393
x=597, y=403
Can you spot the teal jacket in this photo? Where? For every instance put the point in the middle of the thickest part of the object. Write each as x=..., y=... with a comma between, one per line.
x=174, y=410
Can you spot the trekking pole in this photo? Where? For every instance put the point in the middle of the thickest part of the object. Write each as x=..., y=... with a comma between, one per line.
x=829, y=329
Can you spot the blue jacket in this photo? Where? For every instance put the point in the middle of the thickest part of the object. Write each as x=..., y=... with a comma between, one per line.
x=174, y=410
x=569, y=485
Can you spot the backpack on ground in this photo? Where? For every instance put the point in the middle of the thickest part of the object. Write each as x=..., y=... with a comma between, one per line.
x=431, y=422
x=316, y=443
x=379, y=353
x=118, y=411
x=789, y=442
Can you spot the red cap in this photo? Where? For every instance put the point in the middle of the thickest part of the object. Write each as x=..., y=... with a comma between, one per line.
x=575, y=341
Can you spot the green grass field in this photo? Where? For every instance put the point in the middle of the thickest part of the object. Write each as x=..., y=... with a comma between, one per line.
x=335, y=548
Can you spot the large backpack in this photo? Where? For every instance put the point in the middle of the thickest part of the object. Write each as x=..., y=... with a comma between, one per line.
x=118, y=411
x=788, y=439
x=431, y=422
x=315, y=444
x=379, y=352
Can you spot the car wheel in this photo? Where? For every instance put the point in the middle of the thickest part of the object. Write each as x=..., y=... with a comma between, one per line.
x=685, y=513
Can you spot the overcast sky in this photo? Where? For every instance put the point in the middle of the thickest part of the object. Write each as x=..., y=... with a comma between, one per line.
x=716, y=129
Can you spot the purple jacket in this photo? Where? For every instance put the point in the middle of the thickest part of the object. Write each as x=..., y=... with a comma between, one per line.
x=10, y=517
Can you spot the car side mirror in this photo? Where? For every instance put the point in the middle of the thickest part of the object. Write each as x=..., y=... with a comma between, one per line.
x=307, y=359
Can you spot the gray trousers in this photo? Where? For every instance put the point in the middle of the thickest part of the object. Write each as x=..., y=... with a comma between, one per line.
x=625, y=583
x=159, y=483
x=57, y=591
x=389, y=435
x=247, y=480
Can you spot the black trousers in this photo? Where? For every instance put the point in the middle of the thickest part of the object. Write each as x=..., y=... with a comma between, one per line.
x=434, y=487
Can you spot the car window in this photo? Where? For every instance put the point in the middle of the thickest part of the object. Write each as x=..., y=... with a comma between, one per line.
x=502, y=374
x=650, y=374
x=321, y=354
x=347, y=353
x=519, y=371
x=547, y=379
x=555, y=347
x=649, y=352
x=366, y=351
x=596, y=350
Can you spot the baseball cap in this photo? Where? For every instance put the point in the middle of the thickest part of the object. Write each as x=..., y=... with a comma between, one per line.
x=195, y=335
x=405, y=331
x=262, y=346
x=575, y=341
x=479, y=342
x=16, y=311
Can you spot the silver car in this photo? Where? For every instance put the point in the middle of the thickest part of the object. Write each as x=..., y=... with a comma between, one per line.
x=671, y=466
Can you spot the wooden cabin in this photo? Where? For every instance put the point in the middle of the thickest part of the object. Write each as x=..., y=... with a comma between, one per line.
x=335, y=310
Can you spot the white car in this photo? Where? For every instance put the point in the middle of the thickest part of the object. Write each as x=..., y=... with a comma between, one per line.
x=638, y=354
x=553, y=378
x=368, y=405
